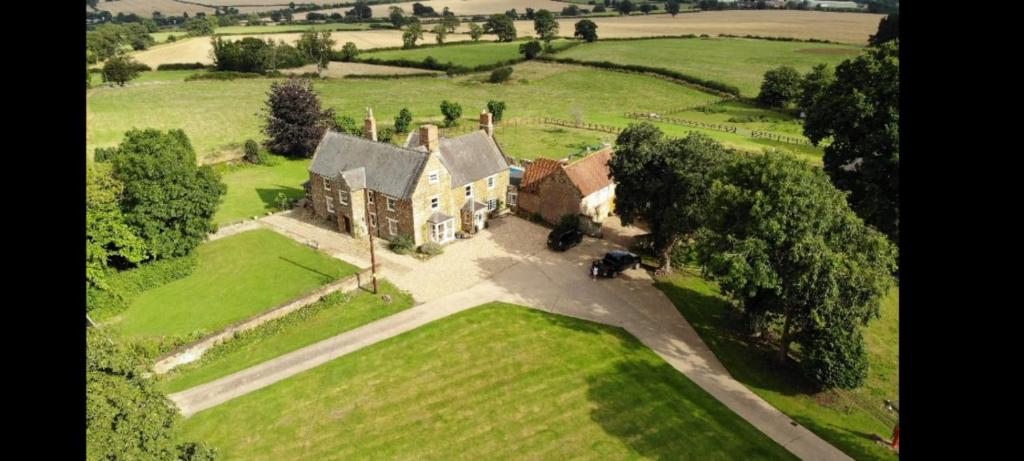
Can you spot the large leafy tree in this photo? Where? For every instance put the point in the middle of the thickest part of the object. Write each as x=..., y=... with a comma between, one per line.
x=109, y=240
x=450, y=20
x=813, y=85
x=295, y=121
x=317, y=47
x=545, y=25
x=502, y=26
x=780, y=87
x=396, y=15
x=665, y=183
x=120, y=69
x=888, y=30
x=586, y=30
x=672, y=7
x=413, y=32
x=168, y=200
x=860, y=114
x=126, y=416
x=781, y=238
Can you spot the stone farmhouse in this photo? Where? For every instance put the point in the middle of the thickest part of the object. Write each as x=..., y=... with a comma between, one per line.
x=428, y=189
x=554, y=188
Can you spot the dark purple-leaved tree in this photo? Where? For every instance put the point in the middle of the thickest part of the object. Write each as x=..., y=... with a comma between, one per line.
x=295, y=120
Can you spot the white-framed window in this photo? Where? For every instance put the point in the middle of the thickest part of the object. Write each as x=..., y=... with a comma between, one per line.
x=330, y=204
x=373, y=219
x=327, y=184
x=469, y=190
x=492, y=204
x=392, y=226
x=490, y=182
x=434, y=177
x=512, y=197
x=391, y=204
x=369, y=197
x=435, y=202
x=343, y=198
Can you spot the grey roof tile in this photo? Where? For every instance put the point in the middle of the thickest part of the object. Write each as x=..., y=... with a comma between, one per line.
x=386, y=168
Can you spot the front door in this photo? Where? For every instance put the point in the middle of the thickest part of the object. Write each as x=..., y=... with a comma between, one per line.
x=479, y=220
x=348, y=225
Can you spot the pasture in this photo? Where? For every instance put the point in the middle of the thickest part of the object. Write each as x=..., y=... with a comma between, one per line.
x=496, y=382
x=338, y=69
x=739, y=62
x=846, y=419
x=528, y=142
x=467, y=54
x=236, y=277
x=285, y=28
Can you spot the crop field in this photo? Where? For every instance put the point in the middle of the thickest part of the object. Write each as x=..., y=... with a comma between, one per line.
x=145, y=8
x=739, y=62
x=469, y=7
x=285, y=28
x=853, y=28
x=495, y=382
x=469, y=55
x=342, y=69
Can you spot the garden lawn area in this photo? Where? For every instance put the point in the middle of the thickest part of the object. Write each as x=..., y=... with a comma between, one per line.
x=736, y=61
x=495, y=382
x=236, y=278
x=253, y=189
x=528, y=142
x=335, y=314
x=466, y=54
x=847, y=419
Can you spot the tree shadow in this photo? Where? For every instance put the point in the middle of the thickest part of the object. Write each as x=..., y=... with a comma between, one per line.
x=269, y=196
x=660, y=414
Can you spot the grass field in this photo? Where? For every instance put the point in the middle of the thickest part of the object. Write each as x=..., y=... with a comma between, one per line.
x=332, y=316
x=286, y=28
x=469, y=55
x=253, y=189
x=343, y=69
x=847, y=419
x=237, y=277
x=739, y=62
x=528, y=142
x=495, y=382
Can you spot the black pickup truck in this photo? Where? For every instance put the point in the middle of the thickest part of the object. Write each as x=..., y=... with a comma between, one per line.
x=614, y=263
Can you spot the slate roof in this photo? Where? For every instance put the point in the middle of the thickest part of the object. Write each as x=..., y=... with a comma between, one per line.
x=591, y=173
x=470, y=207
x=469, y=157
x=438, y=217
x=385, y=168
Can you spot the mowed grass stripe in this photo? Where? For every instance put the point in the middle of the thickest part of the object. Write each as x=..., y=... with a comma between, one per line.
x=496, y=381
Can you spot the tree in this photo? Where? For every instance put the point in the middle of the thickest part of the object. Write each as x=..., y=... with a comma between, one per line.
x=780, y=87
x=586, y=30
x=672, y=7
x=664, y=182
x=317, y=46
x=813, y=85
x=199, y=27
x=120, y=69
x=449, y=20
x=249, y=54
x=168, y=201
x=475, y=31
x=530, y=15
x=512, y=14
x=295, y=122
x=403, y=120
x=500, y=74
x=625, y=7
x=646, y=8
x=497, y=109
x=397, y=16
x=440, y=32
x=530, y=49
x=888, y=30
x=571, y=10
x=502, y=26
x=361, y=10
x=413, y=32
x=126, y=416
x=451, y=111
x=860, y=113
x=349, y=52
x=782, y=240
x=546, y=26
x=109, y=240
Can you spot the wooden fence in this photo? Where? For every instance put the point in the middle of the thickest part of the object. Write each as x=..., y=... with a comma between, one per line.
x=718, y=127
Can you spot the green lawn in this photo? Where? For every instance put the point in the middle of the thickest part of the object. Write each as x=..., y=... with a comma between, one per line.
x=736, y=61
x=495, y=382
x=237, y=277
x=847, y=419
x=332, y=316
x=253, y=189
x=548, y=141
x=463, y=54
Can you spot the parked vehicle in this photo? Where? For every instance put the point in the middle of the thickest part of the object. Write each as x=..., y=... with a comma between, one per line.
x=614, y=263
x=563, y=239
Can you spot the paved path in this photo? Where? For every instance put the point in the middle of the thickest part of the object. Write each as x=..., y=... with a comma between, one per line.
x=528, y=274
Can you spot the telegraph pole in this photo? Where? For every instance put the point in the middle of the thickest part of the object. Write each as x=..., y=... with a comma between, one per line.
x=373, y=259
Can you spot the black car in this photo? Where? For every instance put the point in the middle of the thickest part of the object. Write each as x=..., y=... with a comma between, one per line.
x=614, y=263
x=563, y=239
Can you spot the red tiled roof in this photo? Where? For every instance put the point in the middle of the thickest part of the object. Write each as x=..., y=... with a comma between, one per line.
x=537, y=170
x=591, y=173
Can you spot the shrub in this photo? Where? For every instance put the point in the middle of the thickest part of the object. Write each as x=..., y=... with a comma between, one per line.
x=496, y=108
x=431, y=248
x=252, y=152
x=124, y=286
x=181, y=66
x=568, y=221
x=349, y=52
x=171, y=38
x=103, y=154
x=452, y=111
x=530, y=49
x=835, y=357
x=500, y=74
x=403, y=120
x=282, y=201
x=402, y=244
x=431, y=63
x=386, y=134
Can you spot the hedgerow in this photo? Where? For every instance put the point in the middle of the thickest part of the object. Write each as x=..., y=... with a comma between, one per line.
x=182, y=66
x=708, y=84
x=124, y=286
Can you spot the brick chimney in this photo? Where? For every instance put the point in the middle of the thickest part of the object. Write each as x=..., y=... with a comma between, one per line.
x=487, y=123
x=428, y=138
x=370, y=125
